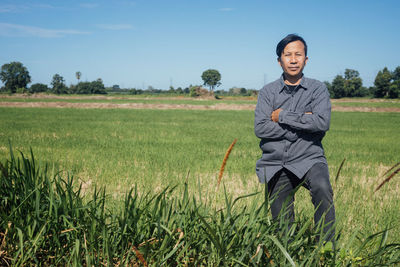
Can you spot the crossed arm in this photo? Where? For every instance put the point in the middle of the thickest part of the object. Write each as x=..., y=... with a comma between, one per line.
x=316, y=121
x=275, y=114
x=264, y=126
x=285, y=124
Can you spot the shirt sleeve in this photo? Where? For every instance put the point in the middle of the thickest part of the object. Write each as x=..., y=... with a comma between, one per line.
x=264, y=127
x=320, y=118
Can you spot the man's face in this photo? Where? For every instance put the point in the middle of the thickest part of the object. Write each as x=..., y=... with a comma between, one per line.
x=293, y=59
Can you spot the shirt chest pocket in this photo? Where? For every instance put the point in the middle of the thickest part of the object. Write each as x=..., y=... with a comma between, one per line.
x=304, y=107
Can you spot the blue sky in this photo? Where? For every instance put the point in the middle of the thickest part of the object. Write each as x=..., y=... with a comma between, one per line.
x=159, y=43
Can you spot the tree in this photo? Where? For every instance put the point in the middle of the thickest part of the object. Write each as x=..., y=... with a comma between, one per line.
x=237, y=91
x=179, y=90
x=351, y=74
x=83, y=88
x=78, y=75
x=329, y=86
x=382, y=83
x=337, y=87
x=211, y=78
x=353, y=83
x=396, y=74
x=348, y=86
x=14, y=75
x=58, y=84
x=394, y=88
x=387, y=84
x=243, y=91
x=38, y=88
x=95, y=87
x=135, y=91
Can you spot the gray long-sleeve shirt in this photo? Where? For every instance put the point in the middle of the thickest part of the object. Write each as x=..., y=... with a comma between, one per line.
x=294, y=142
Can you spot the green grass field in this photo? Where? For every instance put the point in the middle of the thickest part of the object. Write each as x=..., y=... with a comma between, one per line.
x=370, y=104
x=155, y=148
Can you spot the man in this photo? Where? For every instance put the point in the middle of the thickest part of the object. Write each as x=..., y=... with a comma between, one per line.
x=291, y=118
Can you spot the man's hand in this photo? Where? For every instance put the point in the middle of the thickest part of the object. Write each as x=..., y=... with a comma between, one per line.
x=275, y=115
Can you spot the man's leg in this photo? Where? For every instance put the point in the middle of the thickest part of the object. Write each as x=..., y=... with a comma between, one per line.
x=317, y=181
x=281, y=193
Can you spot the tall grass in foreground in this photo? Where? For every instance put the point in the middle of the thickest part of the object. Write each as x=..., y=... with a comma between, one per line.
x=45, y=220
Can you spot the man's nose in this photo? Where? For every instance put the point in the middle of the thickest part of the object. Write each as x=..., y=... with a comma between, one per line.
x=293, y=59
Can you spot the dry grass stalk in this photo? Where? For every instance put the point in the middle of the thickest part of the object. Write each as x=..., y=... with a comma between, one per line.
x=266, y=253
x=62, y=232
x=394, y=166
x=3, y=253
x=67, y=230
x=389, y=177
x=258, y=250
x=151, y=241
x=340, y=168
x=139, y=256
x=3, y=242
x=268, y=256
x=181, y=235
x=221, y=171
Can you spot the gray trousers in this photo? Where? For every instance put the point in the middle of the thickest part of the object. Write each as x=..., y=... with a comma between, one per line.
x=281, y=189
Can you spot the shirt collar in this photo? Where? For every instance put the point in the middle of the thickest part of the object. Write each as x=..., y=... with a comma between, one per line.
x=304, y=83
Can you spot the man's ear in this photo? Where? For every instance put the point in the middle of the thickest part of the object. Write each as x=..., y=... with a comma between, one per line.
x=305, y=61
x=279, y=61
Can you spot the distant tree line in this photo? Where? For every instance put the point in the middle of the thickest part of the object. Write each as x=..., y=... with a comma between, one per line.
x=149, y=91
x=16, y=78
x=386, y=84
x=191, y=90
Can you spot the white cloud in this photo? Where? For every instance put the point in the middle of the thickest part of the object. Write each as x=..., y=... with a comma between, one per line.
x=43, y=6
x=115, y=27
x=12, y=8
x=16, y=30
x=22, y=8
x=89, y=5
x=226, y=9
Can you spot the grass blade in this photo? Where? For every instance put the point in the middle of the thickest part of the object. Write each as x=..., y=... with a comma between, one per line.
x=284, y=251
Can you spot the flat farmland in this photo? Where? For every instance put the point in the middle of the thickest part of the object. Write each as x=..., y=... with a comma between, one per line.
x=153, y=148
x=179, y=102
